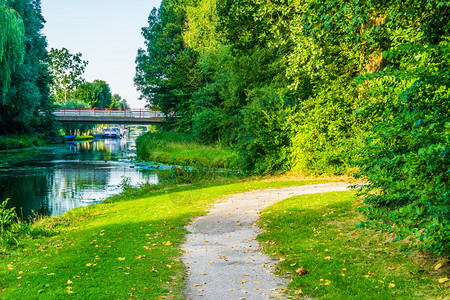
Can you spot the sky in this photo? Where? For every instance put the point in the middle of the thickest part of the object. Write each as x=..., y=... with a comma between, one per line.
x=108, y=35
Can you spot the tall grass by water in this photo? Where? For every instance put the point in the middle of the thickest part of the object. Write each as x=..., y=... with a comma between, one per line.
x=22, y=141
x=182, y=149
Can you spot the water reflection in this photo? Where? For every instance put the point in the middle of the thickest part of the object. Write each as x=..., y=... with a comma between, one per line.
x=51, y=181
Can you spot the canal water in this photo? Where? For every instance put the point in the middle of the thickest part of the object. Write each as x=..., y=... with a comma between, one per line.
x=53, y=180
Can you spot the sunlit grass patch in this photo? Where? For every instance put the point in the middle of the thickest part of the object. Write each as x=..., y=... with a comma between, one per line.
x=318, y=245
x=123, y=249
x=178, y=148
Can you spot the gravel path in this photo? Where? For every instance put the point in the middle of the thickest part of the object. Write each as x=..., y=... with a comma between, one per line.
x=223, y=258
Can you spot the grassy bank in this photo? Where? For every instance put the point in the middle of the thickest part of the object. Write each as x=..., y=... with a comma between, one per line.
x=22, y=141
x=83, y=138
x=129, y=247
x=181, y=149
x=317, y=242
x=124, y=249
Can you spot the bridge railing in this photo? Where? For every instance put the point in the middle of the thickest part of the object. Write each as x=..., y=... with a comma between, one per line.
x=137, y=113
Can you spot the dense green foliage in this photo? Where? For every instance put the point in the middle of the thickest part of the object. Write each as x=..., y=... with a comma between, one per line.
x=318, y=86
x=12, y=37
x=406, y=157
x=22, y=141
x=27, y=106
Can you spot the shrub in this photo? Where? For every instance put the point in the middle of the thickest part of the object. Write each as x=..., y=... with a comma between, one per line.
x=264, y=137
x=406, y=160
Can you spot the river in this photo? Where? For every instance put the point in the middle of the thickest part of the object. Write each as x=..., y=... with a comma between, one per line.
x=53, y=180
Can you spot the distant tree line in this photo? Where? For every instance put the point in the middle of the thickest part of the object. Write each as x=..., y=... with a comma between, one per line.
x=34, y=81
x=319, y=86
x=70, y=89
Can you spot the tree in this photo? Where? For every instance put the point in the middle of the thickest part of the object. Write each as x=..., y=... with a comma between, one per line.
x=66, y=70
x=118, y=102
x=96, y=94
x=28, y=106
x=166, y=71
x=12, y=49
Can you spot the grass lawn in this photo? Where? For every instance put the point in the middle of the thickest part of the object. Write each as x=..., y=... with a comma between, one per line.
x=125, y=249
x=318, y=245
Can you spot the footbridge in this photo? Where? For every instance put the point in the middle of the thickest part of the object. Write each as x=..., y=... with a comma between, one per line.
x=133, y=116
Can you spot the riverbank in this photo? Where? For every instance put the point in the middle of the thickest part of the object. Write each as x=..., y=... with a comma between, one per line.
x=129, y=246
x=131, y=242
x=181, y=149
x=22, y=141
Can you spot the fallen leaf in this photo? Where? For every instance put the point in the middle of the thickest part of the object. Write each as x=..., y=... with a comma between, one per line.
x=121, y=258
x=69, y=282
x=168, y=243
x=438, y=266
x=392, y=268
x=301, y=271
x=391, y=285
x=328, y=258
x=442, y=280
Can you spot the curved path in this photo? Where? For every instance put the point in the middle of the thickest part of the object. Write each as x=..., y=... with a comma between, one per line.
x=223, y=258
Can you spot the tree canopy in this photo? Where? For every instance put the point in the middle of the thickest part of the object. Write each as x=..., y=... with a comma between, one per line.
x=26, y=106
x=12, y=48
x=67, y=70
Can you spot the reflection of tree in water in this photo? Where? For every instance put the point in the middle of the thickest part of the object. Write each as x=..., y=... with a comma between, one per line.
x=27, y=191
x=103, y=149
x=53, y=180
x=78, y=174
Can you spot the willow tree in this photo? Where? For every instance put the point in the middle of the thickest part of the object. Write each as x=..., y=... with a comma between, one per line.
x=12, y=48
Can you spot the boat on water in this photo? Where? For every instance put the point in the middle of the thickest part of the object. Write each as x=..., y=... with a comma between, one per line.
x=70, y=138
x=114, y=132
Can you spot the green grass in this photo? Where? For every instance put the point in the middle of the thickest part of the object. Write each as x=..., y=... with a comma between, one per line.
x=318, y=233
x=126, y=248
x=178, y=148
x=21, y=141
x=83, y=138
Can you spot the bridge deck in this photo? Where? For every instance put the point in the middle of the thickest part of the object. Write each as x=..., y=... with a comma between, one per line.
x=110, y=116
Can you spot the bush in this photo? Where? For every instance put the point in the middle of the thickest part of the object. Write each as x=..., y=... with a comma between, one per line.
x=19, y=142
x=326, y=132
x=264, y=138
x=406, y=161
